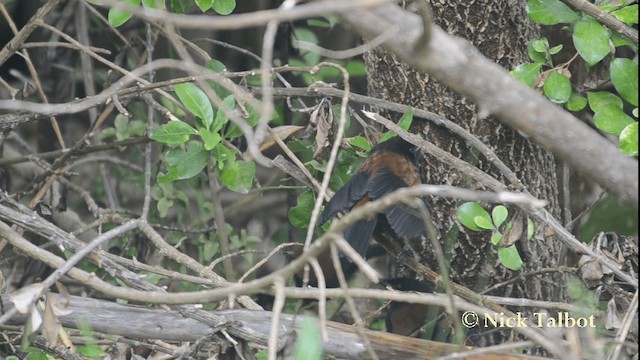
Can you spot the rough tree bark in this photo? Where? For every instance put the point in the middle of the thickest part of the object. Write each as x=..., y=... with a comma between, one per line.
x=501, y=31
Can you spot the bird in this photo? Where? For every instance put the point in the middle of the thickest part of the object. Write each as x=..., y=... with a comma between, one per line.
x=391, y=165
x=406, y=319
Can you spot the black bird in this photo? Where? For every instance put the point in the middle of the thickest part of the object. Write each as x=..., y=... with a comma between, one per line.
x=390, y=165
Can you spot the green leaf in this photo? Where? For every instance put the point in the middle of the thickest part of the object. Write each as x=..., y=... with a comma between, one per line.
x=177, y=6
x=611, y=119
x=210, y=138
x=361, y=142
x=540, y=45
x=216, y=66
x=628, y=14
x=624, y=75
x=204, y=5
x=629, y=139
x=223, y=155
x=406, y=120
x=483, y=222
x=302, y=34
x=591, y=39
x=300, y=214
x=510, y=257
x=496, y=238
x=308, y=345
x=527, y=73
x=550, y=12
x=557, y=88
x=619, y=40
x=499, y=215
x=118, y=17
x=163, y=206
x=467, y=213
x=191, y=164
x=224, y=7
x=356, y=68
x=196, y=101
x=174, y=132
x=238, y=176
x=556, y=49
x=576, y=102
x=600, y=99
x=537, y=56
x=221, y=117
x=531, y=227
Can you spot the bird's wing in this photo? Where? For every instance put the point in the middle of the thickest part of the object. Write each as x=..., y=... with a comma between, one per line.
x=359, y=235
x=345, y=198
x=405, y=221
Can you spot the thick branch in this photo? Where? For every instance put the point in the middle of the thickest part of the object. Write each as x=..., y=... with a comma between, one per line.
x=461, y=67
x=142, y=323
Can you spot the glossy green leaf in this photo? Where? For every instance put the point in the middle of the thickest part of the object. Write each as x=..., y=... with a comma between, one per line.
x=221, y=117
x=204, y=5
x=224, y=7
x=576, y=102
x=191, y=164
x=557, y=88
x=196, y=101
x=499, y=215
x=624, y=75
x=467, y=213
x=550, y=12
x=300, y=215
x=537, y=56
x=527, y=73
x=629, y=139
x=118, y=17
x=174, y=132
x=611, y=119
x=628, y=14
x=210, y=138
x=591, y=39
x=510, y=257
x=238, y=176
x=361, y=142
x=483, y=223
x=496, y=237
x=556, y=49
x=600, y=99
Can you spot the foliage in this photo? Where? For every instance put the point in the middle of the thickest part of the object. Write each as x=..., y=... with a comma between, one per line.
x=474, y=217
x=595, y=44
x=308, y=345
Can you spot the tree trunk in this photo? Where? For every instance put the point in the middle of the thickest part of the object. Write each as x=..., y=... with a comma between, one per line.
x=501, y=31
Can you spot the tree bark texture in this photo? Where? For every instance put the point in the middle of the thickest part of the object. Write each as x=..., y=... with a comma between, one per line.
x=501, y=31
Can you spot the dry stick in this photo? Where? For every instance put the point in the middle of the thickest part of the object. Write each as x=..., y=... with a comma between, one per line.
x=460, y=66
x=333, y=154
x=239, y=21
x=35, y=76
x=68, y=265
x=604, y=17
x=12, y=46
x=473, y=141
x=488, y=181
x=627, y=321
x=34, y=223
x=86, y=150
x=344, y=287
x=278, y=305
